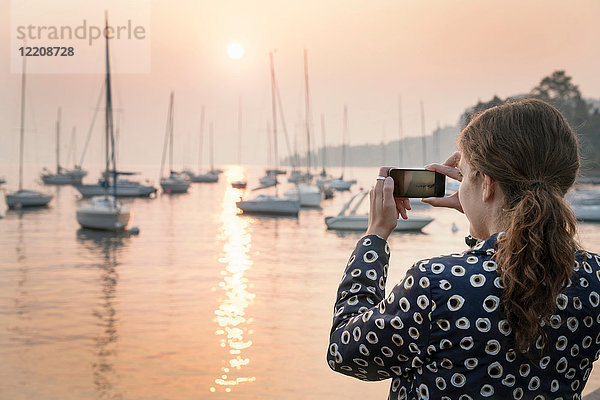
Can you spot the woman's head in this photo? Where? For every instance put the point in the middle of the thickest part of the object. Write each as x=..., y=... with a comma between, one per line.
x=528, y=150
x=522, y=145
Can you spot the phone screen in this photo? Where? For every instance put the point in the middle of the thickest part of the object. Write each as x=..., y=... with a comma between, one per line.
x=417, y=183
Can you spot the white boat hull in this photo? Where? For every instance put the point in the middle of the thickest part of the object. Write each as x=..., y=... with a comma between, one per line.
x=108, y=218
x=174, y=185
x=204, y=178
x=27, y=198
x=61, y=179
x=360, y=222
x=308, y=196
x=269, y=205
x=122, y=190
x=589, y=213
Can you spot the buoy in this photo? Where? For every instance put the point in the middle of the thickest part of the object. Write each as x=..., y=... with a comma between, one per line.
x=454, y=228
x=134, y=230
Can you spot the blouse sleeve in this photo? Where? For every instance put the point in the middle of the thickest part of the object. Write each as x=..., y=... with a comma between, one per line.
x=372, y=337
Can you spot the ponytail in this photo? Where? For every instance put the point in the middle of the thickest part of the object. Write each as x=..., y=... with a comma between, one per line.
x=535, y=256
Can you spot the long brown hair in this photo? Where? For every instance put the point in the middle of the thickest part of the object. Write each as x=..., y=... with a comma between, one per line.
x=529, y=148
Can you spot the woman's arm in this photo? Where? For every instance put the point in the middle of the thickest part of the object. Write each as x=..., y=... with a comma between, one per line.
x=372, y=337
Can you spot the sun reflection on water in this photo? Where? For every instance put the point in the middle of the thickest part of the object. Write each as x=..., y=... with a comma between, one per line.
x=231, y=317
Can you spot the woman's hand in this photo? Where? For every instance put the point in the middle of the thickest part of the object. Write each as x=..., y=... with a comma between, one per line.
x=384, y=209
x=448, y=168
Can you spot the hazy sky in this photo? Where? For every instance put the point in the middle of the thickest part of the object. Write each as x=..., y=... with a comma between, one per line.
x=447, y=53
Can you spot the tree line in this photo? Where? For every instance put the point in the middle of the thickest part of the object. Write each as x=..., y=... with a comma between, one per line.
x=559, y=90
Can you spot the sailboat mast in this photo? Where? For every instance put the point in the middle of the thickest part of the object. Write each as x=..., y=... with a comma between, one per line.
x=400, y=144
x=269, y=150
x=423, y=144
x=22, y=129
x=274, y=110
x=323, y=173
x=240, y=131
x=74, y=142
x=212, y=146
x=344, y=134
x=171, y=134
x=108, y=112
x=201, y=138
x=167, y=131
x=307, y=112
x=58, y=142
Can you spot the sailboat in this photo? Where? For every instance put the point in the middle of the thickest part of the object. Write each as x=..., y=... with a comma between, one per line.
x=270, y=178
x=307, y=193
x=211, y=176
x=175, y=182
x=352, y=222
x=263, y=204
x=62, y=176
x=122, y=187
x=22, y=197
x=324, y=178
x=339, y=183
x=105, y=212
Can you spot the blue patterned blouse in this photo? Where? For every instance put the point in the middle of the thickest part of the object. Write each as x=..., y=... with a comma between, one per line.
x=442, y=332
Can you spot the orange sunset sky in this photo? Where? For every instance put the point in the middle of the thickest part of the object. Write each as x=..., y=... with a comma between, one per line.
x=447, y=53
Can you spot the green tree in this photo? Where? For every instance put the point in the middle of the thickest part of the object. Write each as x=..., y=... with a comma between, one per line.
x=559, y=90
x=478, y=108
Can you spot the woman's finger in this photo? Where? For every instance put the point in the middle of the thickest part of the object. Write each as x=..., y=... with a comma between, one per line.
x=449, y=171
x=452, y=201
x=406, y=202
x=378, y=190
x=453, y=160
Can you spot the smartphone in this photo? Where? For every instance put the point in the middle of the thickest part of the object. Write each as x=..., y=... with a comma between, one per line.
x=415, y=182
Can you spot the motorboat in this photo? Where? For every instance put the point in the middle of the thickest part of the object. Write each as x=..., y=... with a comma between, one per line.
x=308, y=195
x=104, y=213
x=269, y=205
x=353, y=222
x=27, y=198
x=175, y=183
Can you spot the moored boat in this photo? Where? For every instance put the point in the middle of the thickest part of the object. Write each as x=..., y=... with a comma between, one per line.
x=269, y=205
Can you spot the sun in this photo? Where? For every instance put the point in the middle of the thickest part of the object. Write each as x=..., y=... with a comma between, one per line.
x=235, y=50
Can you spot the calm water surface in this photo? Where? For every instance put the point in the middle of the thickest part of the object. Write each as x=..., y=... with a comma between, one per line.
x=203, y=304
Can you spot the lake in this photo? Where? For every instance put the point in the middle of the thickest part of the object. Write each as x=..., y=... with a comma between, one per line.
x=202, y=304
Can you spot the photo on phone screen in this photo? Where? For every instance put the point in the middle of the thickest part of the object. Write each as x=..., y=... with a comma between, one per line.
x=413, y=182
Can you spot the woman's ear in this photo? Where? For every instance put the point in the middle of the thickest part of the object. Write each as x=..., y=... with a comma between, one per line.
x=489, y=188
